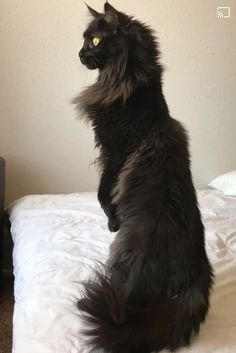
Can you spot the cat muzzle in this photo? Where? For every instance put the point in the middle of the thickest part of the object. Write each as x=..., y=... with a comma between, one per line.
x=87, y=60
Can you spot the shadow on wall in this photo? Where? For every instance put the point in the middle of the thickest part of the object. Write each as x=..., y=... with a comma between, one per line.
x=24, y=177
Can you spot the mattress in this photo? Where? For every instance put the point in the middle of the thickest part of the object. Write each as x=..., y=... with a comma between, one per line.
x=57, y=241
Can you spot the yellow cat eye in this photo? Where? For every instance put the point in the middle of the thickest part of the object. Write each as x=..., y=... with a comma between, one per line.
x=96, y=41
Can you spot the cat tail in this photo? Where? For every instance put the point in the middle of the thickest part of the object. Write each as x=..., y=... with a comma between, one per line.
x=117, y=328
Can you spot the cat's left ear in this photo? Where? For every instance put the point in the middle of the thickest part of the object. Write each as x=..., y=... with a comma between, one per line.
x=93, y=12
x=111, y=14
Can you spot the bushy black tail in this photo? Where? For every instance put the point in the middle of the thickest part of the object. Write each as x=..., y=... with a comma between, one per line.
x=117, y=328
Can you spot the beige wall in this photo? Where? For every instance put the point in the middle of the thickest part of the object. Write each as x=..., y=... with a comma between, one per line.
x=47, y=149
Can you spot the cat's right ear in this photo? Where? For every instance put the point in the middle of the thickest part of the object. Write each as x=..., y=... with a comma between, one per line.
x=93, y=12
x=111, y=14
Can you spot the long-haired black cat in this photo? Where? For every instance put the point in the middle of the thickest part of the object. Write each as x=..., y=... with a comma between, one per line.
x=154, y=291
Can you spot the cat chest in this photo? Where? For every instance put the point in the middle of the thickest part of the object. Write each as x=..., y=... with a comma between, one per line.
x=115, y=130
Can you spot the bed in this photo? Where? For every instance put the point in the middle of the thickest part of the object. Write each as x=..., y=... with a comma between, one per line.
x=2, y=187
x=57, y=240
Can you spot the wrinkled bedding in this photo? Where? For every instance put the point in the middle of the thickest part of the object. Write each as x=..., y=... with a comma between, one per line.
x=57, y=240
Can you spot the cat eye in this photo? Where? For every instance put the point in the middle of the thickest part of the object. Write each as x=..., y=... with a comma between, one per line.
x=96, y=41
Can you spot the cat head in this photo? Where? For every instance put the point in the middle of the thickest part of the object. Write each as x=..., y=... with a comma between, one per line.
x=125, y=52
x=102, y=38
x=115, y=39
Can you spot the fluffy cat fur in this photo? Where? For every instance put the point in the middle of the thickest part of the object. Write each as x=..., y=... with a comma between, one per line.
x=154, y=291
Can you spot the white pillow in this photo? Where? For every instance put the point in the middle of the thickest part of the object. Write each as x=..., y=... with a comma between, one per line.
x=225, y=183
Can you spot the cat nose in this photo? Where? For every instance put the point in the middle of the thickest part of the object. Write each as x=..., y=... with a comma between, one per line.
x=81, y=53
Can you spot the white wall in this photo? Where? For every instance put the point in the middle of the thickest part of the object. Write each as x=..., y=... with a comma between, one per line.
x=47, y=149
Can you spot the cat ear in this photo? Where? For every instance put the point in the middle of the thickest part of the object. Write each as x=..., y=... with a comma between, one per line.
x=93, y=12
x=109, y=7
x=111, y=14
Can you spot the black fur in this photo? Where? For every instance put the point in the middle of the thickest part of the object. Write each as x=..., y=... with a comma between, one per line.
x=154, y=291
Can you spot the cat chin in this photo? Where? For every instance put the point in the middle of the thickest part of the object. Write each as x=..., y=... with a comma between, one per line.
x=89, y=64
x=91, y=67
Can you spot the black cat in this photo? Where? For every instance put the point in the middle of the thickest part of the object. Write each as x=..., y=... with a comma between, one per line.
x=154, y=291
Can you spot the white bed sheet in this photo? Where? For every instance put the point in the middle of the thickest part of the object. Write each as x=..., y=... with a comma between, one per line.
x=58, y=238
